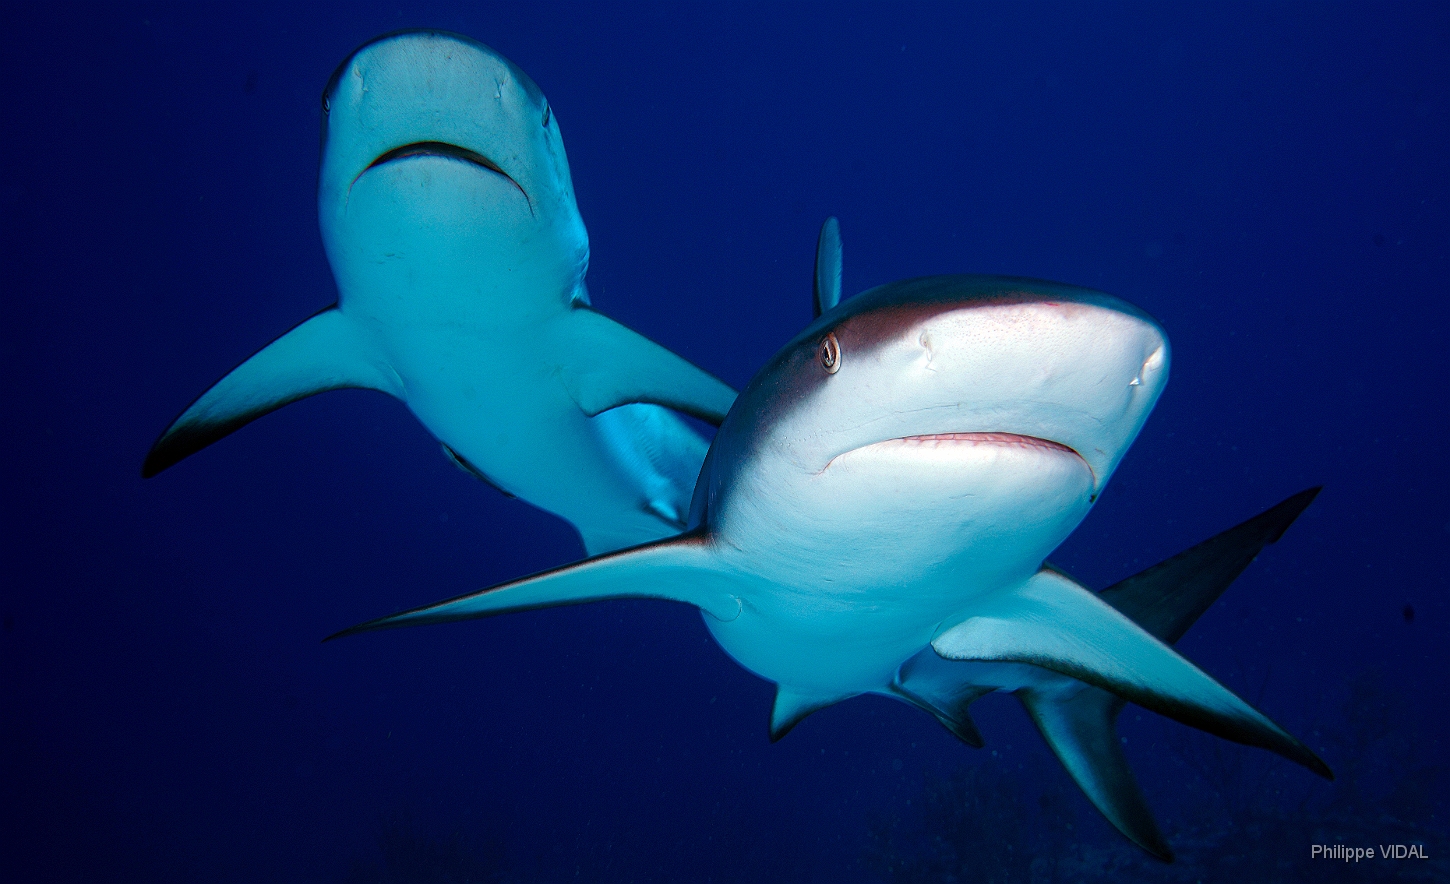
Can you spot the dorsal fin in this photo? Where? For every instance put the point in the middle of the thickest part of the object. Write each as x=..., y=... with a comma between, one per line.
x=828, y=266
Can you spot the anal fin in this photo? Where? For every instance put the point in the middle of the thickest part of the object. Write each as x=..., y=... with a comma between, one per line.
x=323, y=353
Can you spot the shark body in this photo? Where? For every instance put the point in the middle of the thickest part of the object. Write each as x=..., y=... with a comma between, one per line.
x=875, y=513
x=449, y=220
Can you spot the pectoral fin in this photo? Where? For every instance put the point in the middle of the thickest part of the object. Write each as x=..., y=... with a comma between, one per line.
x=1058, y=625
x=682, y=568
x=1078, y=721
x=323, y=353
x=605, y=365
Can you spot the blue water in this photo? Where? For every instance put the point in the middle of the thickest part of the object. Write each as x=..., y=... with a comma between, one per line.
x=1270, y=182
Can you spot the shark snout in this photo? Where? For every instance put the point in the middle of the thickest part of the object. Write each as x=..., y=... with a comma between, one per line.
x=430, y=97
x=1079, y=374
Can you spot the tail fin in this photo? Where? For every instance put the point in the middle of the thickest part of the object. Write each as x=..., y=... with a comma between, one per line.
x=1078, y=722
x=1169, y=597
x=322, y=353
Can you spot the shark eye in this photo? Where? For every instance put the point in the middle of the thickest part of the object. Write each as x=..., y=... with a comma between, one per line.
x=326, y=105
x=546, y=115
x=830, y=354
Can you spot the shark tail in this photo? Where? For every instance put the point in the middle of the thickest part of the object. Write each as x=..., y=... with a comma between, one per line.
x=1080, y=728
x=323, y=353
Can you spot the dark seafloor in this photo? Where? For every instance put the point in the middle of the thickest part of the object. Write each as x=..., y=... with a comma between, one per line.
x=1272, y=182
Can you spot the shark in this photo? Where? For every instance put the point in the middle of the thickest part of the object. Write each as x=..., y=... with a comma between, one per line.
x=449, y=220
x=875, y=514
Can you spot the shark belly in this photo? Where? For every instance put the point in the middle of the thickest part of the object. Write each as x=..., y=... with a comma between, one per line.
x=510, y=422
x=846, y=579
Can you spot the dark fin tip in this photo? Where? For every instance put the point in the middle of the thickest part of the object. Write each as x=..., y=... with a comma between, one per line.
x=1293, y=506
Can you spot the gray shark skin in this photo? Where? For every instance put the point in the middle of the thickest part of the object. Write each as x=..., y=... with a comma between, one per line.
x=875, y=513
x=449, y=221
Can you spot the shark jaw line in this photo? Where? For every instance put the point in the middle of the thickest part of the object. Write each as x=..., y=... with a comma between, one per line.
x=950, y=440
x=446, y=151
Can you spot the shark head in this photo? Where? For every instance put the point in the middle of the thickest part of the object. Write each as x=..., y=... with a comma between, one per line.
x=436, y=147
x=924, y=412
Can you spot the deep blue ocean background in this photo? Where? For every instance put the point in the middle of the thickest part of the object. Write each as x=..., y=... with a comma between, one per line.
x=1272, y=182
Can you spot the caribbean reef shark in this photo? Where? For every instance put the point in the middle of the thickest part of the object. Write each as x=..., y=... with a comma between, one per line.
x=449, y=221
x=875, y=512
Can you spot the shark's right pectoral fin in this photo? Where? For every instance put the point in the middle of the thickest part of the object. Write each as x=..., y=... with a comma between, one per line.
x=683, y=568
x=1059, y=625
x=323, y=353
x=604, y=365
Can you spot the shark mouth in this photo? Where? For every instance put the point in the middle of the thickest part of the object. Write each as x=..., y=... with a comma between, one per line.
x=938, y=440
x=997, y=440
x=447, y=151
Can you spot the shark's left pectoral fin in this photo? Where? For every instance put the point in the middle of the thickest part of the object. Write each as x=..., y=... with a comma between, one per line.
x=683, y=568
x=1061, y=626
x=606, y=365
x=323, y=353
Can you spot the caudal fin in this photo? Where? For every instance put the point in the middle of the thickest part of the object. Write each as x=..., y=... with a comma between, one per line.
x=323, y=353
